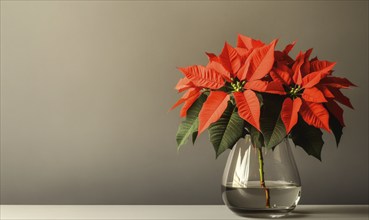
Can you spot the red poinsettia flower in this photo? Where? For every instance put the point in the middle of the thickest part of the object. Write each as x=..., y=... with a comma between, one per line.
x=311, y=91
x=242, y=70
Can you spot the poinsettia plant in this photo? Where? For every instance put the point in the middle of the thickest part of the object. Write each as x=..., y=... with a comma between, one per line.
x=254, y=89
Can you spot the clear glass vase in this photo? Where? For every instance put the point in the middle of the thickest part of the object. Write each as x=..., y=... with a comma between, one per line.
x=260, y=182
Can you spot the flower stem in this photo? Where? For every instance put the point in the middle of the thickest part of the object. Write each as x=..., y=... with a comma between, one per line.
x=262, y=181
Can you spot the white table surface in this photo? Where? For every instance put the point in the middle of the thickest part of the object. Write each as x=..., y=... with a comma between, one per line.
x=110, y=212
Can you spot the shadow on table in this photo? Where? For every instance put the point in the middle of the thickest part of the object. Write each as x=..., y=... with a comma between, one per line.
x=337, y=210
x=326, y=212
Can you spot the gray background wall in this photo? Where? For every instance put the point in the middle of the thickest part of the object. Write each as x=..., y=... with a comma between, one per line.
x=86, y=87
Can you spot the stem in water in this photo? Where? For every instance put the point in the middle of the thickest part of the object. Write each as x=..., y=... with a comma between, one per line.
x=262, y=181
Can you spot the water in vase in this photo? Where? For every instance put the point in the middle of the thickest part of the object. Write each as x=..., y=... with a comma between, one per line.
x=283, y=196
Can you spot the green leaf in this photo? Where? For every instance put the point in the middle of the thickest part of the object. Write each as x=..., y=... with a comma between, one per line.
x=308, y=137
x=257, y=139
x=271, y=123
x=260, y=97
x=225, y=132
x=336, y=128
x=194, y=137
x=191, y=123
x=274, y=132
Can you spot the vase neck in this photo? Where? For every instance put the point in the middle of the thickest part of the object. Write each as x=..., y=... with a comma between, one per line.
x=255, y=143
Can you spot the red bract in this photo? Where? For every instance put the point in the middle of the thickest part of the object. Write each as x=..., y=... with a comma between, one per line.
x=212, y=109
x=283, y=56
x=188, y=99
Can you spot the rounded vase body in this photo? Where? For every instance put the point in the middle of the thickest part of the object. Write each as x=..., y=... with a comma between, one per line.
x=260, y=182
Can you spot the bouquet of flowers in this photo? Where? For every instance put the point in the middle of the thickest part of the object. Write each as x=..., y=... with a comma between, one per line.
x=257, y=90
